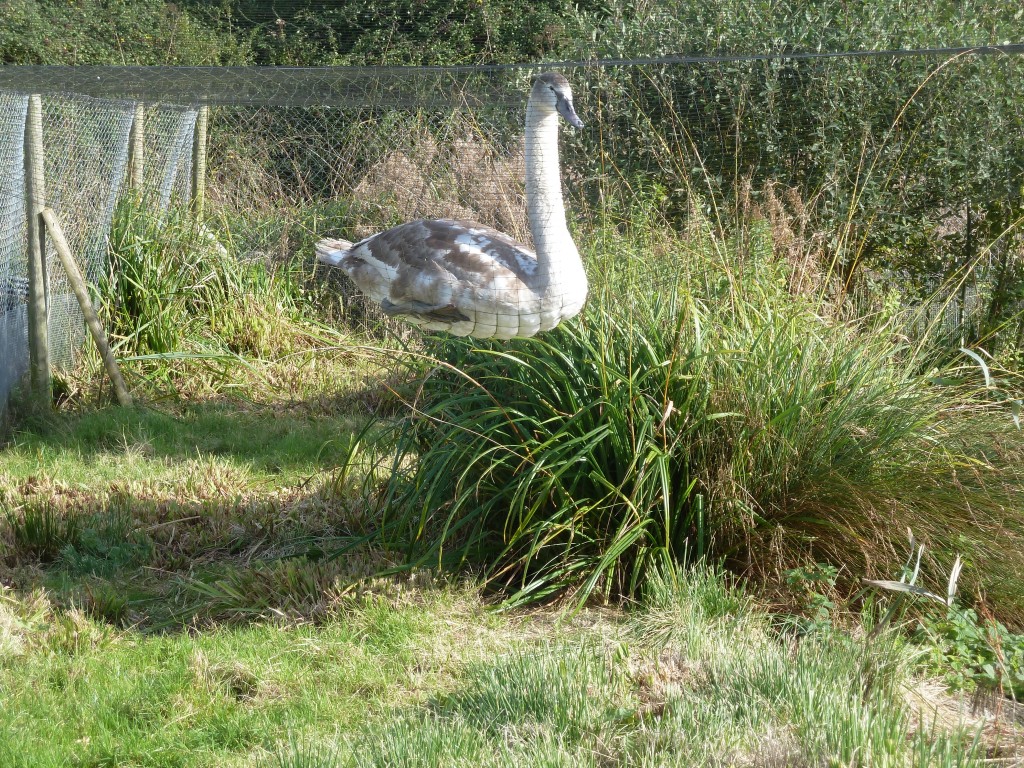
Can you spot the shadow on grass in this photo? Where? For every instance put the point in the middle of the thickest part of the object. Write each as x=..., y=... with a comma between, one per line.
x=262, y=440
x=152, y=519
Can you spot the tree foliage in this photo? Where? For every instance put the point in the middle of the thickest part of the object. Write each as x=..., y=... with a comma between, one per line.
x=393, y=32
x=132, y=32
x=912, y=165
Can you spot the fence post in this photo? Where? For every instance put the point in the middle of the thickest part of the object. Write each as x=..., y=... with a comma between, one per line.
x=137, y=148
x=199, y=162
x=35, y=201
x=81, y=290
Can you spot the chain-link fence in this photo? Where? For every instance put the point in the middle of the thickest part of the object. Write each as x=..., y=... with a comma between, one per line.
x=889, y=167
x=85, y=156
x=13, y=281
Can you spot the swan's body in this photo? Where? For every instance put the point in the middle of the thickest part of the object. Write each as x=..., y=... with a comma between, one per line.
x=472, y=280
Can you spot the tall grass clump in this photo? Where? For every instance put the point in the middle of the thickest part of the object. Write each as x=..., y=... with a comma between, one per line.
x=172, y=285
x=712, y=412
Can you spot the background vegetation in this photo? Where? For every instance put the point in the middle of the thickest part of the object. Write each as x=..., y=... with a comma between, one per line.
x=397, y=32
x=921, y=181
x=767, y=388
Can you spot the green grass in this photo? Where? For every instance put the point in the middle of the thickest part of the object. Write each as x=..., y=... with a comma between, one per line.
x=166, y=630
x=169, y=280
x=612, y=695
x=291, y=662
x=169, y=594
x=405, y=675
x=150, y=518
x=715, y=412
x=257, y=445
x=73, y=688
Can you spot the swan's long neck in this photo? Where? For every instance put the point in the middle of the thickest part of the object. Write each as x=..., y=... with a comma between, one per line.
x=557, y=256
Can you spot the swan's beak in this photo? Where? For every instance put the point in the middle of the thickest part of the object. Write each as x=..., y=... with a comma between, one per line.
x=564, y=107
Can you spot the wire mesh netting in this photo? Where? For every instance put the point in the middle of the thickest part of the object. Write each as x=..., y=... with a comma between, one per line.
x=889, y=168
x=86, y=151
x=168, y=152
x=13, y=280
x=83, y=178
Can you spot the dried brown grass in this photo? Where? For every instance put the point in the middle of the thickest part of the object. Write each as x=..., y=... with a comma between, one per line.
x=796, y=241
x=470, y=179
x=998, y=720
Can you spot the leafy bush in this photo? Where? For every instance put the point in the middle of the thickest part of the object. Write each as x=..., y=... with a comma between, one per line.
x=811, y=583
x=393, y=32
x=968, y=651
x=142, y=32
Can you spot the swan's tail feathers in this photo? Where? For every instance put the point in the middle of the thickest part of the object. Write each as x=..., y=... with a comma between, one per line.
x=331, y=252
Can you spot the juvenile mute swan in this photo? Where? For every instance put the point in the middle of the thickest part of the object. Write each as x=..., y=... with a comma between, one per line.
x=468, y=279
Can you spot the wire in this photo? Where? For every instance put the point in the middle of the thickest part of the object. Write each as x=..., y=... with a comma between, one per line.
x=394, y=86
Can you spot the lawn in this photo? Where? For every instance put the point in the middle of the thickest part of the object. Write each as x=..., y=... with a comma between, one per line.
x=210, y=578
x=158, y=614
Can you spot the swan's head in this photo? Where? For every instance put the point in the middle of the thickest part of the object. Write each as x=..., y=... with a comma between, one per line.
x=551, y=90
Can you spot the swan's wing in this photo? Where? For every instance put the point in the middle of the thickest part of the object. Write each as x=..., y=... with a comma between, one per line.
x=424, y=267
x=467, y=250
x=476, y=250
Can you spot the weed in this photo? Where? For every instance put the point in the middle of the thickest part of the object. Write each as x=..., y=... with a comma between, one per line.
x=813, y=585
x=106, y=543
x=970, y=652
x=187, y=313
x=967, y=651
x=41, y=530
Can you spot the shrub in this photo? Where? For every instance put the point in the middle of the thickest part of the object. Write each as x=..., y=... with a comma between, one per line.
x=172, y=286
x=716, y=414
x=140, y=32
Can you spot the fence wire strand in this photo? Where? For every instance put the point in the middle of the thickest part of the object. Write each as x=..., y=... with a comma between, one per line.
x=899, y=160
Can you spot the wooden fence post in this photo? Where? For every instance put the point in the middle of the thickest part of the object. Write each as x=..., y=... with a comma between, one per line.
x=199, y=162
x=137, y=148
x=78, y=285
x=35, y=201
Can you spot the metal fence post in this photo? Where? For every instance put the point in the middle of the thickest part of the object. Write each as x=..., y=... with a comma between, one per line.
x=199, y=162
x=35, y=201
